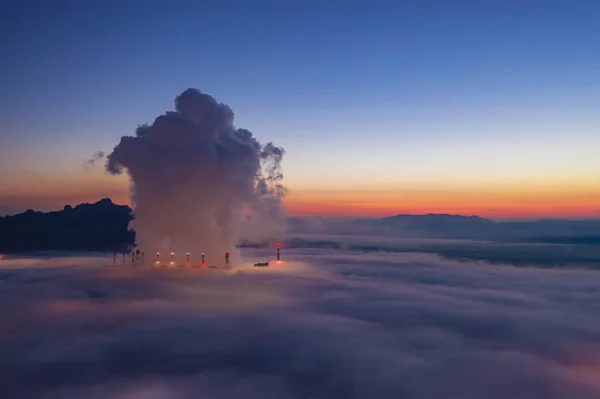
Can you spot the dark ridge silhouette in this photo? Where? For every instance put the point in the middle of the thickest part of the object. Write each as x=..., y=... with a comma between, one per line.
x=456, y=227
x=87, y=227
x=103, y=226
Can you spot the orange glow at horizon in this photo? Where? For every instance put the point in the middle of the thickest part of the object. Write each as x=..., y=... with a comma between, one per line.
x=519, y=201
x=503, y=199
x=54, y=191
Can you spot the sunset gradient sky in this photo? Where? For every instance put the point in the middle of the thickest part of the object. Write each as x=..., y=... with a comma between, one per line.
x=489, y=108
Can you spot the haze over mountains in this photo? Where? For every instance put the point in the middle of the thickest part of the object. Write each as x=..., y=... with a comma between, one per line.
x=103, y=226
x=456, y=227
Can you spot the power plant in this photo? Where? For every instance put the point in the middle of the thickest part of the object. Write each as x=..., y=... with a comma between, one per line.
x=137, y=259
x=266, y=264
x=188, y=260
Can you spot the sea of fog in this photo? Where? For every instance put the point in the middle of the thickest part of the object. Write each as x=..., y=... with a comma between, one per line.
x=324, y=323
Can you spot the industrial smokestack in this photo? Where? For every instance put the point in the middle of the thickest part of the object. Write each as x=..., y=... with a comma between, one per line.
x=172, y=161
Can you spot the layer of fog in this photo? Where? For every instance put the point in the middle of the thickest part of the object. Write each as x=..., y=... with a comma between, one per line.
x=324, y=324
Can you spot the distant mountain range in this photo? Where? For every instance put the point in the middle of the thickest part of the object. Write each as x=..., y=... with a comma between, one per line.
x=456, y=227
x=103, y=226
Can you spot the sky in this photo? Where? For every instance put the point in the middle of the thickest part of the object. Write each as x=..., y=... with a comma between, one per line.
x=468, y=107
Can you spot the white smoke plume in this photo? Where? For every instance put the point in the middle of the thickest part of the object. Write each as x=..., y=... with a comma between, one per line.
x=198, y=184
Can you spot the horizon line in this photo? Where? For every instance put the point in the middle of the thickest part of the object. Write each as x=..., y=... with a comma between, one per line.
x=358, y=216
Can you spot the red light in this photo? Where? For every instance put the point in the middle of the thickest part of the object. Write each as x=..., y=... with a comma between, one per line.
x=278, y=244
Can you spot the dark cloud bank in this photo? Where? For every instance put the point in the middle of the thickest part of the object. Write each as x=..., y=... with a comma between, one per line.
x=328, y=325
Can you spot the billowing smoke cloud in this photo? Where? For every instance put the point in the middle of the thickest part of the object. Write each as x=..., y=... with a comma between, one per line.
x=198, y=184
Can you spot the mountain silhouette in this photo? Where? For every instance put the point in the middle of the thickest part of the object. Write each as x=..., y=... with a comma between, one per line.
x=445, y=226
x=102, y=226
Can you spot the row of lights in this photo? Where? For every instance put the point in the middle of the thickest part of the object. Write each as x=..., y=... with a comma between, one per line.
x=203, y=256
x=187, y=257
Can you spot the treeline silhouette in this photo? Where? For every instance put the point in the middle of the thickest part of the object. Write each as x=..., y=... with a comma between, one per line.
x=102, y=226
